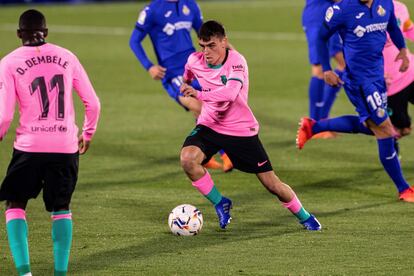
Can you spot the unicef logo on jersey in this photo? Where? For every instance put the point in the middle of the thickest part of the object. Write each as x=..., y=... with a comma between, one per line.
x=360, y=31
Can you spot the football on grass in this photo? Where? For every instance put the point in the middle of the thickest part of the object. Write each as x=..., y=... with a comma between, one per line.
x=185, y=220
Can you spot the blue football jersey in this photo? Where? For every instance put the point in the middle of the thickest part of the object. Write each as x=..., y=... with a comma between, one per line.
x=314, y=11
x=169, y=25
x=364, y=32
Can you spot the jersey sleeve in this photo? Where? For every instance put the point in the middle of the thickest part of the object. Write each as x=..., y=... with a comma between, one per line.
x=234, y=84
x=7, y=99
x=188, y=76
x=408, y=25
x=198, y=18
x=395, y=31
x=238, y=70
x=334, y=19
x=84, y=88
x=145, y=19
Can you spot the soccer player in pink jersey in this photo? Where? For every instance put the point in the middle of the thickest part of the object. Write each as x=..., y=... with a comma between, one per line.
x=400, y=85
x=226, y=121
x=40, y=76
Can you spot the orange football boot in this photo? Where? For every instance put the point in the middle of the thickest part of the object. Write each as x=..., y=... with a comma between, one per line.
x=407, y=195
x=304, y=131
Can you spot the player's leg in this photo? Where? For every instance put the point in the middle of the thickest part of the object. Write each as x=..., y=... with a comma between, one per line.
x=330, y=92
x=288, y=199
x=17, y=234
x=388, y=156
x=21, y=183
x=249, y=156
x=316, y=83
x=398, y=110
x=59, y=184
x=195, y=152
x=375, y=103
x=344, y=124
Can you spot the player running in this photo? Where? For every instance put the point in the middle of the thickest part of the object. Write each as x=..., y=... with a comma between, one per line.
x=168, y=23
x=227, y=122
x=40, y=76
x=363, y=26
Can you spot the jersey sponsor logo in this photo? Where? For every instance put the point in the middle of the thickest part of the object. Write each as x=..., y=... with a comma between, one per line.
x=49, y=129
x=169, y=28
x=361, y=14
x=141, y=18
x=381, y=11
x=260, y=164
x=360, y=31
x=329, y=13
x=238, y=68
x=168, y=14
x=186, y=10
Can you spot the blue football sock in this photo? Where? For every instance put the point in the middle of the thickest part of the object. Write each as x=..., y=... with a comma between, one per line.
x=390, y=162
x=316, y=87
x=345, y=124
x=329, y=96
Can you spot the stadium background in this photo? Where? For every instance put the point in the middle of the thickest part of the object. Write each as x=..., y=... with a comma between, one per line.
x=131, y=179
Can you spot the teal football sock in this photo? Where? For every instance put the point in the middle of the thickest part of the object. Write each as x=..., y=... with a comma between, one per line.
x=62, y=240
x=17, y=235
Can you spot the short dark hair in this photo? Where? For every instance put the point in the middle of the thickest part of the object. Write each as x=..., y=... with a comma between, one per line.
x=211, y=29
x=32, y=20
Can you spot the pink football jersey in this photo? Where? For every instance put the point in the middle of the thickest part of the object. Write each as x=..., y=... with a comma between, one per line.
x=224, y=94
x=40, y=79
x=397, y=80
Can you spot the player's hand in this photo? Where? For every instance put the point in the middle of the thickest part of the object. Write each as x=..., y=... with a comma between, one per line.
x=403, y=56
x=157, y=72
x=188, y=90
x=332, y=78
x=83, y=145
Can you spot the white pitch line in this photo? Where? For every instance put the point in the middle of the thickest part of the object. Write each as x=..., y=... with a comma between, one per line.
x=120, y=31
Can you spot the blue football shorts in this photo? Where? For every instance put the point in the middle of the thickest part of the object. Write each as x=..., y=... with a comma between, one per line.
x=370, y=100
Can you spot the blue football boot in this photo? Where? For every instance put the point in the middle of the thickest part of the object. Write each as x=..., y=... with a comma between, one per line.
x=223, y=211
x=311, y=224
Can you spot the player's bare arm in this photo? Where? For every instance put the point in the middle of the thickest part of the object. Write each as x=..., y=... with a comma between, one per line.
x=403, y=56
x=188, y=90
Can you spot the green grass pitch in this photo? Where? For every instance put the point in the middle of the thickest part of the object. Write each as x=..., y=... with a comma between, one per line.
x=131, y=178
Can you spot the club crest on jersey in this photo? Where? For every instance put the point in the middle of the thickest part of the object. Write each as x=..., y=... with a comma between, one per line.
x=223, y=79
x=381, y=11
x=329, y=13
x=381, y=112
x=186, y=10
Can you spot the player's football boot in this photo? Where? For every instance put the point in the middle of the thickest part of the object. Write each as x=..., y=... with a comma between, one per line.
x=311, y=224
x=304, y=131
x=407, y=195
x=227, y=164
x=223, y=211
x=213, y=164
